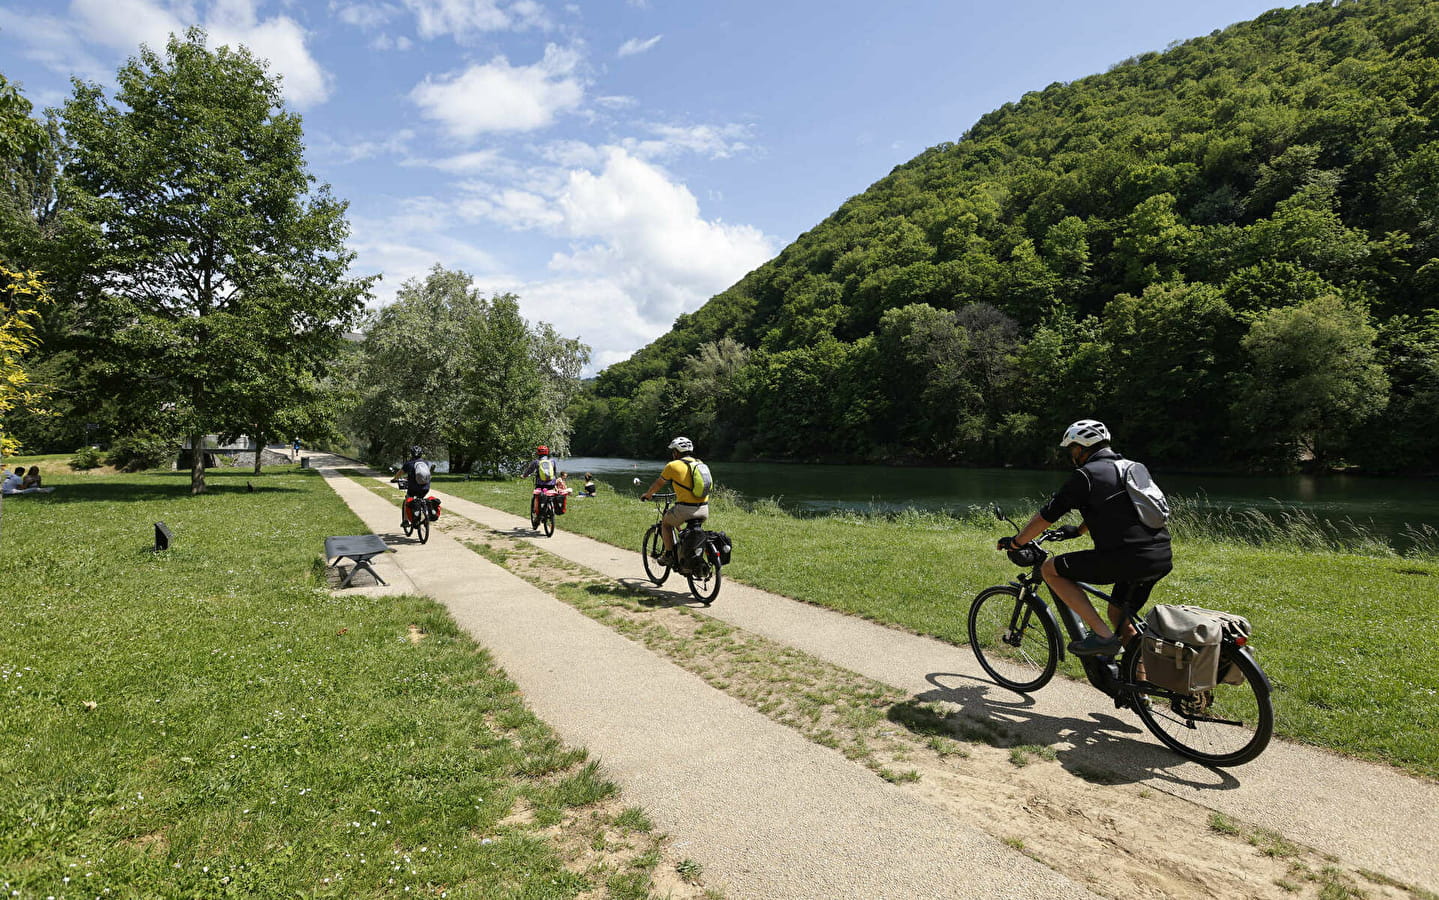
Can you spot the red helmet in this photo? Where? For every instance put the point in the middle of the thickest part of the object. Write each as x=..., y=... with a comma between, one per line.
x=542, y=450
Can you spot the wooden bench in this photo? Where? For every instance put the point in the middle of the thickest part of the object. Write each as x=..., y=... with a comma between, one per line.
x=358, y=547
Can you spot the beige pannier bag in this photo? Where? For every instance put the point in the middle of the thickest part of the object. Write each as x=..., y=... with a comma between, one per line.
x=1181, y=648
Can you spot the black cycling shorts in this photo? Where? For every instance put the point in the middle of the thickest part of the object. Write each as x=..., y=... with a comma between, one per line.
x=1133, y=573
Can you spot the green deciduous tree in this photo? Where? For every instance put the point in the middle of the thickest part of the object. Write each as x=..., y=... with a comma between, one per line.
x=1312, y=378
x=444, y=366
x=216, y=269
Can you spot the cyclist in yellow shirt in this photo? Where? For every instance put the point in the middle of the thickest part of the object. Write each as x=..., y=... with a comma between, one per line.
x=691, y=480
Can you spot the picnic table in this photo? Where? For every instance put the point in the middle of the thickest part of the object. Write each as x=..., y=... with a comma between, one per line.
x=361, y=548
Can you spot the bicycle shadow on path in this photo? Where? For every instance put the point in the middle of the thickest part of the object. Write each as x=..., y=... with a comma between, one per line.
x=652, y=596
x=1103, y=747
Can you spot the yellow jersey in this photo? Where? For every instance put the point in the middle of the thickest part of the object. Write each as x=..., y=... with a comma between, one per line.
x=677, y=473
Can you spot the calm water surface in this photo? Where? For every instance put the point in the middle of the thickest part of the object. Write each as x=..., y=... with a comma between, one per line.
x=1387, y=505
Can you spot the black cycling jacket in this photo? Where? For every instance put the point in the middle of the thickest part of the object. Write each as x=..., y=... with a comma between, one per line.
x=1096, y=491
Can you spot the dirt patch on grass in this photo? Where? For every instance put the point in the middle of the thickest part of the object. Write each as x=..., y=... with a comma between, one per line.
x=1120, y=839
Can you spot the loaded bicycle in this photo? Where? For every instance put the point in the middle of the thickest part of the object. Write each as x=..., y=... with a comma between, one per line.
x=416, y=515
x=699, y=557
x=1017, y=640
x=542, y=514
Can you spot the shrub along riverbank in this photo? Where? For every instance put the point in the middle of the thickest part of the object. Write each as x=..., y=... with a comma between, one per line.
x=1345, y=635
x=211, y=720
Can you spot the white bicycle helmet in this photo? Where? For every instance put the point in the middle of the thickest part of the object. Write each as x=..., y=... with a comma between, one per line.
x=683, y=445
x=1085, y=433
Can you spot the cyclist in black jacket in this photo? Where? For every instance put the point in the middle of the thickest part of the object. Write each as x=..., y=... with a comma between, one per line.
x=1127, y=554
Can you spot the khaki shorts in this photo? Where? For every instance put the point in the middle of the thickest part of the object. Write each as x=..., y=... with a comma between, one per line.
x=678, y=515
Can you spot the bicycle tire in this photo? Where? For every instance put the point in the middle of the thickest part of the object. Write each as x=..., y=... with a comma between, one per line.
x=1239, y=720
x=706, y=587
x=422, y=522
x=547, y=520
x=1024, y=662
x=650, y=549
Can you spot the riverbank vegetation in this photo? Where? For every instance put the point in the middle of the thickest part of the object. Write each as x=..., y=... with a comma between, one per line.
x=211, y=721
x=1342, y=632
x=1227, y=251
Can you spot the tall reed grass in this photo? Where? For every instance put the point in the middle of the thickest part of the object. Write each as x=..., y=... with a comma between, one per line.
x=1285, y=527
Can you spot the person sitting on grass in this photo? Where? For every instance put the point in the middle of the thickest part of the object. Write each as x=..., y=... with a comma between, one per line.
x=31, y=480
x=590, y=487
x=13, y=480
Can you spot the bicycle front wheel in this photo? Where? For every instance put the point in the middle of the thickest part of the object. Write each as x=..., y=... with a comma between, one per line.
x=706, y=587
x=1226, y=726
x=1016, y=644
x=650, y=551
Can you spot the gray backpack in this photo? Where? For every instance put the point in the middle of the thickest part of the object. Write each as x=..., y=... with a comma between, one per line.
x=1149, y=501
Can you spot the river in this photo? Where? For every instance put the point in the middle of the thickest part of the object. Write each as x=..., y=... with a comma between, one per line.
x=1385, y=506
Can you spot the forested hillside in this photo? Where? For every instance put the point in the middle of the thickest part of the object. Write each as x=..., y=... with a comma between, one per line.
x=1228, y=251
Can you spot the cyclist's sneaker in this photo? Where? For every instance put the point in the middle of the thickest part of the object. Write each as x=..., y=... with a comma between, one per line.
x=666, y=558
x=1094, y=645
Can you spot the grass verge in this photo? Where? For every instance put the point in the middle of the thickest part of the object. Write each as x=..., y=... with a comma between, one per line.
x=1343, y=636
x=211, y=720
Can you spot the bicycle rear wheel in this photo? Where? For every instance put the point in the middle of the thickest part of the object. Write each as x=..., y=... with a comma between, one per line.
x=547, y=518
x=422, y=521
x=1227, y=726
x=706, y=587
x=1013, y=641
x=650, y=550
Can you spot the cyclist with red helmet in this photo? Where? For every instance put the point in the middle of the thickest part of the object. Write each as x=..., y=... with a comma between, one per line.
x=545, y=471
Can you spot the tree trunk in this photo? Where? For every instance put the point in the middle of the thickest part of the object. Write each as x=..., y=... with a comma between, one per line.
x=259, y=438
x=197, y=464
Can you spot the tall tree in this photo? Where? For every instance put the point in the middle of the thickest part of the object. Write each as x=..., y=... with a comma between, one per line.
x=216, y=262
x=1312, y=377
x=444, y=365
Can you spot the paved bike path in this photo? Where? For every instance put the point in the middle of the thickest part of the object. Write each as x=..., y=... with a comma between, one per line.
x=765, y=810
x=1366, y=814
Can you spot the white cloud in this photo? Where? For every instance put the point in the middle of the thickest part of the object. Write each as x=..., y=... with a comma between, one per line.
x=66, y=45
x=636, y=45
x=464, y=19
x=407, y=244
x=385, y=41
x=637, y=229
x=499, y=97
x=365, y=15
x=53, y=43
x=468, y=163
x=280, y=40
x=639, y=251
x=323, y=147
x=714, y=141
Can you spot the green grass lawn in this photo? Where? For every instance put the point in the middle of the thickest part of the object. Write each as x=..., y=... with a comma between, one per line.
x=1349, y=640
x=211, y=720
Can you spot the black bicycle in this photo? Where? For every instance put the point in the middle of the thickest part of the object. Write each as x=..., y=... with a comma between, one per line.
x=542, y=514
x=699, y=561
x=415, y=514
x=1018, y=642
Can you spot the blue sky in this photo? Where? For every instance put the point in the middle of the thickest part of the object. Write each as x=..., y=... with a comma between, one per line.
x=613, y=163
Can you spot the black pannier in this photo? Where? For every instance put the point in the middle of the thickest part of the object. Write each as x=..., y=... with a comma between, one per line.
x=720, y=545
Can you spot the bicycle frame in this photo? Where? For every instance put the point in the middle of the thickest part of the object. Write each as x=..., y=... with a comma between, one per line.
x=1102, y=672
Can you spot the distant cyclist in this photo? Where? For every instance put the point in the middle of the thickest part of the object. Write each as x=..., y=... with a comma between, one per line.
x=416, y=473
x=1127, y=553
x=691, y=480
x=546, y=472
